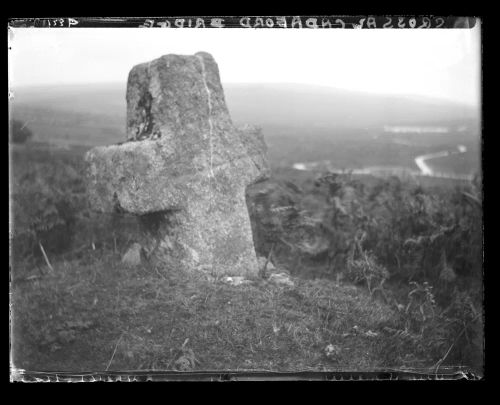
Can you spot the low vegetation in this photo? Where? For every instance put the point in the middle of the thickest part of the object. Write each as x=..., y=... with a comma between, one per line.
x=388, y=274
x=98, y=314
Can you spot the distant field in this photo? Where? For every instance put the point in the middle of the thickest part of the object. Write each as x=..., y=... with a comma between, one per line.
x=300, y=123
x=460, y=164
x=71, y=128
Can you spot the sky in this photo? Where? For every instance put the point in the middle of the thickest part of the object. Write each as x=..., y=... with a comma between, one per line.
x=439, y=63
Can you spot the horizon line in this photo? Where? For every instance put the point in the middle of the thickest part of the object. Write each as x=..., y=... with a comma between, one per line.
x=314, y=85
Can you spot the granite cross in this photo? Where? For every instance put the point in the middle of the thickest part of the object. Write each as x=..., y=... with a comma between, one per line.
x=183, y=169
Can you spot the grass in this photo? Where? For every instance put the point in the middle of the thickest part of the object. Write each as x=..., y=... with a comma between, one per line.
x=99, y=315
x=91, y=313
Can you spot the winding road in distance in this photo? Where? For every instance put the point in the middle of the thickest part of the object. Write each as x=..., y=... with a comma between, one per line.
x=420, y=161
x=425, y=170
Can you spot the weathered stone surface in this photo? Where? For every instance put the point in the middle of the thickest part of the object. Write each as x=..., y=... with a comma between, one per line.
x=173, y=96
x=184, y=167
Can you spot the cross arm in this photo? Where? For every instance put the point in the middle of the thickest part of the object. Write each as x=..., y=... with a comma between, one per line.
x=135, y=177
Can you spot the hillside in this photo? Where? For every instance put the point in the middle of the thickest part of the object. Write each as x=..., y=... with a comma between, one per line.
x=300, y=122
x=364, y=255
x=139, y=319
x=322, y=107
x=286, y=105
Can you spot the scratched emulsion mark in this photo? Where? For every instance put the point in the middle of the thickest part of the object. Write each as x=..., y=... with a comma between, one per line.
x=210, y=124
x=210, y=135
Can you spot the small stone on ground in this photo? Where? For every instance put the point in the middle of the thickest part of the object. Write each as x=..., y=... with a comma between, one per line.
x=236, y=281
x=133, y=255
x=281, y=280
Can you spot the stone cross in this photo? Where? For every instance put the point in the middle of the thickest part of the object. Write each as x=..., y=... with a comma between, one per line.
x=183, y=169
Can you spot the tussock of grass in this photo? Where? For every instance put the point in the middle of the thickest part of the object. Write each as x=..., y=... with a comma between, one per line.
x=100, y=314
